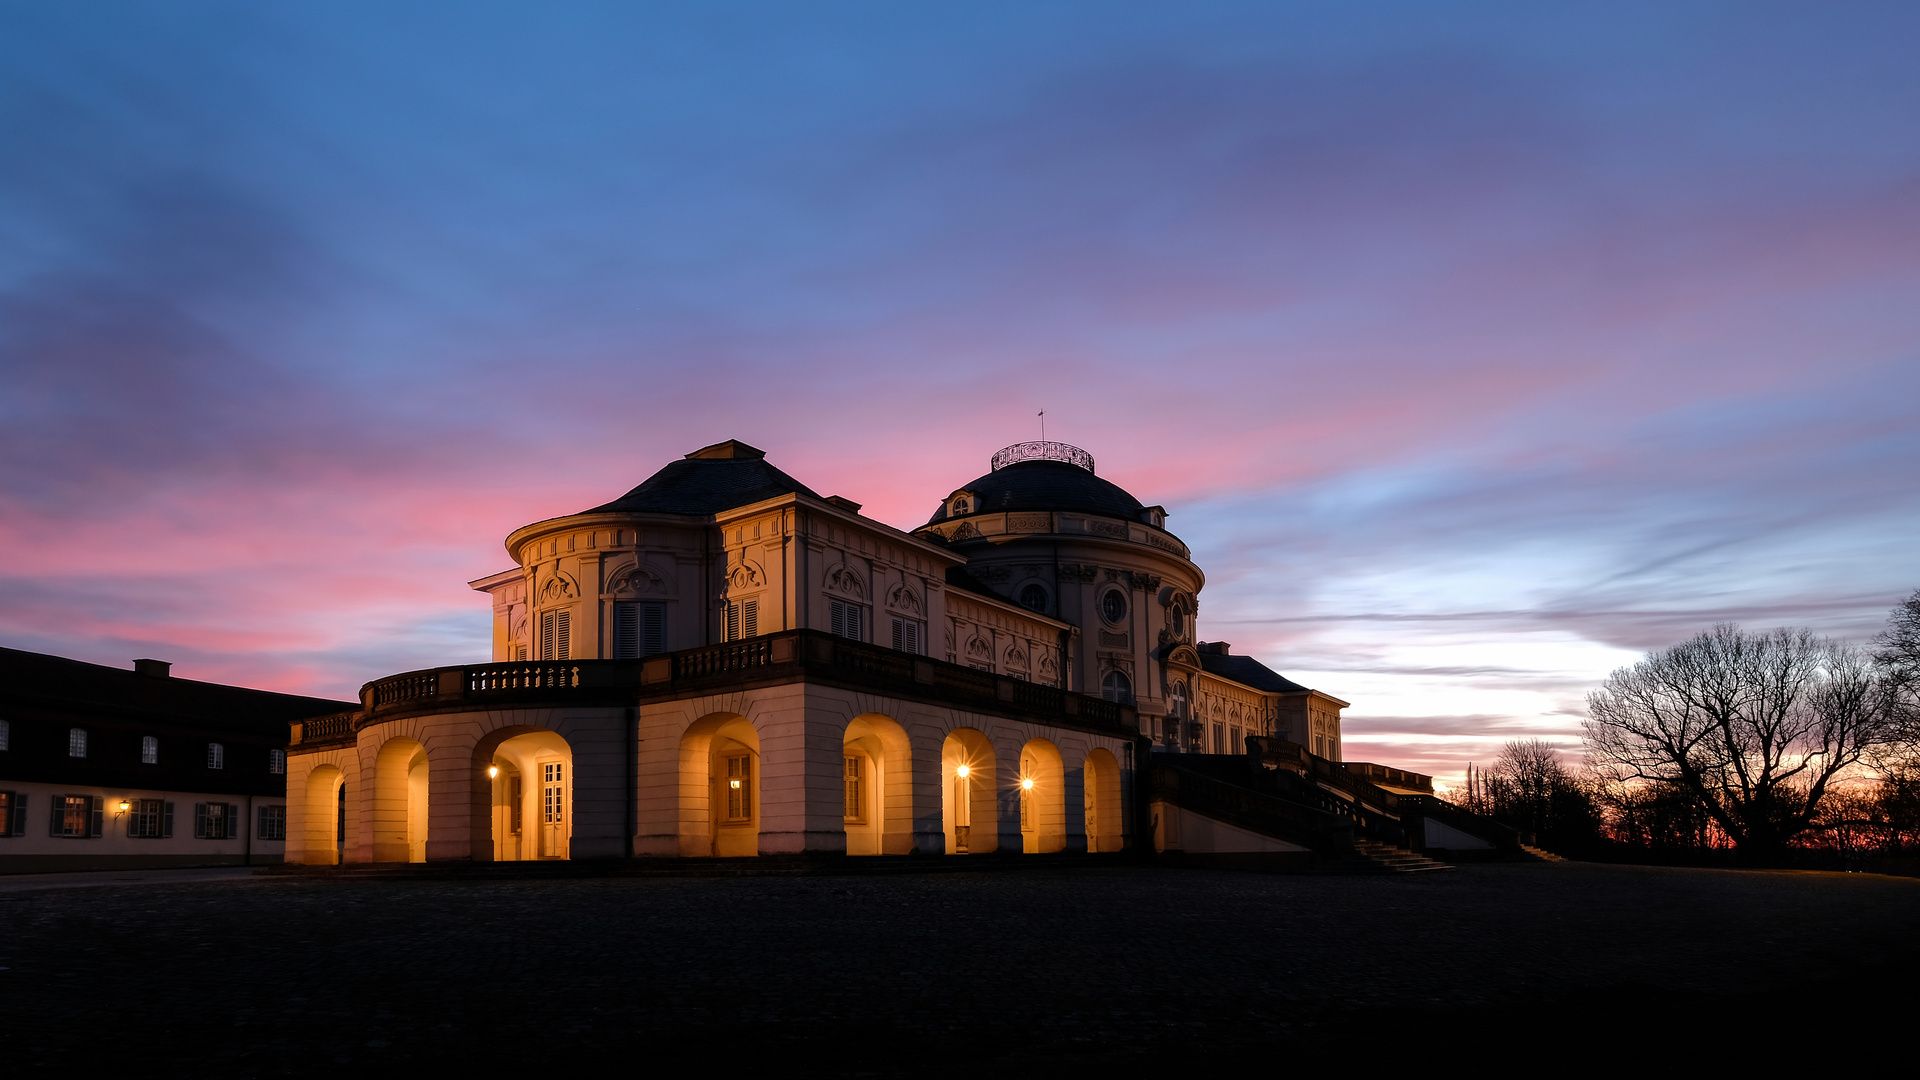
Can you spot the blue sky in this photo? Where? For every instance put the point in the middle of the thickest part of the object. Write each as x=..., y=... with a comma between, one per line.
x=1476, y=349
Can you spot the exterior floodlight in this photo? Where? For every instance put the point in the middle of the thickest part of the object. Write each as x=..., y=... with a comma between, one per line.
x=493, y=772
x=961, y=772
x=1027, y=784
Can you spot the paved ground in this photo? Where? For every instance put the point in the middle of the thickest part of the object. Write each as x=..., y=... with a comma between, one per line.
x=1023, y=973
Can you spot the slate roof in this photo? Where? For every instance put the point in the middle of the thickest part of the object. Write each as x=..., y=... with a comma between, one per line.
x=74, y=685
x=707, y=481
x=1047, y=485
x=1247, y=671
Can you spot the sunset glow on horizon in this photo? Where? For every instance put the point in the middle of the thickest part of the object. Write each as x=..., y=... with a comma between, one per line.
x=1474, y=350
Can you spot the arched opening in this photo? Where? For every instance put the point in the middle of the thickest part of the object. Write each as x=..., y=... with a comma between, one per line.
x=720, y=787
x=1043, y=798
x=1101, y=782
x=967, y=793
x=321, y=835
x=400, y=811
x=523, y=781
x=1117, y=687
x=877, y=786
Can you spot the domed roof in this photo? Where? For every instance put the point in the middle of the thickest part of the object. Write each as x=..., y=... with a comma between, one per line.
x=707, y=481
x=1045, y=476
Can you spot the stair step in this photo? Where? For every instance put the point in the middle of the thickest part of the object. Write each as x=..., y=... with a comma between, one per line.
x=1541, y=854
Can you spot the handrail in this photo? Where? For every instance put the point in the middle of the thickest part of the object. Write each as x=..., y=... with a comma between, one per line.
x=799, y=652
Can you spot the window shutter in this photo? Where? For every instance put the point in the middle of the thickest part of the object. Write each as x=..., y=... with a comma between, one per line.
x=199, y=821
x=837, y=618
x=733, y=622
x=563, y=635
x=97, y=820
x=234, y=824
x=166, y=829
x=626, y=630
x=900, y=635
x=854, y=629
x=58, y=817
x=750, y=618
x=546, y=635
x=653, y=629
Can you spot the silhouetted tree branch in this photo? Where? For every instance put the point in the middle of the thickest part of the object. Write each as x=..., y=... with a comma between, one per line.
x=1751, y=728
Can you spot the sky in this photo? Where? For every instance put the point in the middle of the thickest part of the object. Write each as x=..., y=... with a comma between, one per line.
x=1475, y=349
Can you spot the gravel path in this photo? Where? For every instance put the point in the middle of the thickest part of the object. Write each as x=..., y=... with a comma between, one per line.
x=938, y=974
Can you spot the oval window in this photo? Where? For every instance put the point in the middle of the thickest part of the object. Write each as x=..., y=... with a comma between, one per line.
x=1034, y=598
x=1113, y=606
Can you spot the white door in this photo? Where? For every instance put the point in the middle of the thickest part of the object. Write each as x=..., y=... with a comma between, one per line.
x=553, y=810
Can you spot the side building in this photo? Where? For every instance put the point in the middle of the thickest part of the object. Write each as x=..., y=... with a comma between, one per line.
x=104, y=768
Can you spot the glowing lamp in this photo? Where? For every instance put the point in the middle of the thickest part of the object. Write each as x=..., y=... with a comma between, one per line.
x=493, y=772
x=961, y=772
x=125, y=806
x=1027, y=784
x=734, y=784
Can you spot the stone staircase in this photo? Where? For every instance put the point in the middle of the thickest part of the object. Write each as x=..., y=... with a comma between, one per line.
x=1373, y=857
x=1541, y=854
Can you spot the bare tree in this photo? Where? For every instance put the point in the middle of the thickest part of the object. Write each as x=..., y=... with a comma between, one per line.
x=1752, y=727
x=1897, y=651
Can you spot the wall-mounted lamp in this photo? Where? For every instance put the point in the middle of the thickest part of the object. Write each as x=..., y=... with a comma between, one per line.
x=962, y=772
x=734, y=784
x=125, y=805
x=1027, y=784
x=493, y=772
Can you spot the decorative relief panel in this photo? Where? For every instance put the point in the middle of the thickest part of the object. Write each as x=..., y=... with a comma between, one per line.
x=847, y=581
x=902, y=598
x=1016, y=657
x=1107, y=528
x=1029, y=522
x=1111, y=640
x=638, y=580
x=557, y=588
x=1077, y=572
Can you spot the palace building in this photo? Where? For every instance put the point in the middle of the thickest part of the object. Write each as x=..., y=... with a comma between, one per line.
x=723, y=662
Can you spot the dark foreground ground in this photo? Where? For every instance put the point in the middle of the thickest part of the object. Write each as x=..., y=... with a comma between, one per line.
x=1112, y=971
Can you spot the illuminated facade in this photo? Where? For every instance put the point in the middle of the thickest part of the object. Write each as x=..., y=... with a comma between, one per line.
x=723, y=662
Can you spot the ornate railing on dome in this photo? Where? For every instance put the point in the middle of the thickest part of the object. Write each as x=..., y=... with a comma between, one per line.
x=1043, y=451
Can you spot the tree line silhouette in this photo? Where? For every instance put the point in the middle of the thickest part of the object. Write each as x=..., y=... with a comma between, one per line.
x=1774, y=748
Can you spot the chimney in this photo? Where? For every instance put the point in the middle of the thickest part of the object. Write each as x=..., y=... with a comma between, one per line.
x=152, y=669
x=1214, y=648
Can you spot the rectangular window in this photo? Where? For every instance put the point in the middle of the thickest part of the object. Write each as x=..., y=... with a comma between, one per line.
x=216, y=756
x=639, y=629
x=906, y=635
x=740, y=788
x=273, y=823
x=6, y=735
x=149, y=750
x=215, y=821
x=77, y=815
x=556, y=635
x=1219, y=739
x=845, y=620
x=855, y=802
x=150, y=819
x=13, y=814
x=743, y=620
x=77, y=742
x=277, y=762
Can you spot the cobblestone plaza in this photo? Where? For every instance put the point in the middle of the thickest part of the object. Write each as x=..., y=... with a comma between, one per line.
x=1016, y=971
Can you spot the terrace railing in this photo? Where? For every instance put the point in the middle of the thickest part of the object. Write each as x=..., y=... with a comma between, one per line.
x=805, y=654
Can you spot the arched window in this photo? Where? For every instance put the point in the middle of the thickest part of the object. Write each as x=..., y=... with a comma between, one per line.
x=1034, y=598
x=1116, y=687
x=1113, y=606
x=1177, y=619
x=1177, y=699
